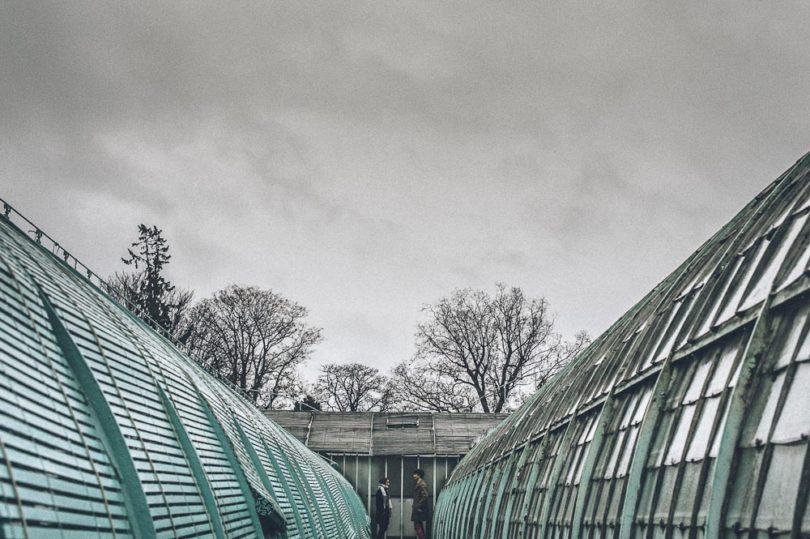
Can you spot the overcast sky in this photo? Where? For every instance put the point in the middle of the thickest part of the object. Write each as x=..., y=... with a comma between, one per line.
x=366, y=158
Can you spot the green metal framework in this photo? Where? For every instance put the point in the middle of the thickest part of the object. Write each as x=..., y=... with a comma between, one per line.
x=108, y=430
x=688, y=418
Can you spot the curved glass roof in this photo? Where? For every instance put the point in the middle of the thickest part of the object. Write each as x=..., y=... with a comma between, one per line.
x=689, y=417
x=106, y=429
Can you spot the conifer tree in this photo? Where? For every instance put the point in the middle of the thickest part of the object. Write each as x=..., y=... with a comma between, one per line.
x=147, y=290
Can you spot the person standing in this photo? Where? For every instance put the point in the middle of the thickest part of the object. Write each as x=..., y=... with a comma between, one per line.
x=382, y=501
x=420, y=511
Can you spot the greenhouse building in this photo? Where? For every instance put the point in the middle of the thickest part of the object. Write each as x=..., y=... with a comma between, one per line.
x=107, y=430
x=688, y=418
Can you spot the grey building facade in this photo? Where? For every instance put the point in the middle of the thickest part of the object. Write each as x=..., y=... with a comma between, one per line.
x=368, y=446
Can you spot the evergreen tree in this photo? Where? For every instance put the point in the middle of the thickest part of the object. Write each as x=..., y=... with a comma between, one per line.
x=147, y=290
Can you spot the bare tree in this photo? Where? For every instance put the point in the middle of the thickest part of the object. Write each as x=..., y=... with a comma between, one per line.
x=478, y=352
x=254, y=338
x=353, y=387
x=418, y=389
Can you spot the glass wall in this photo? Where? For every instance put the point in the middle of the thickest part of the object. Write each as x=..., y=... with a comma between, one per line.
x=689, y=417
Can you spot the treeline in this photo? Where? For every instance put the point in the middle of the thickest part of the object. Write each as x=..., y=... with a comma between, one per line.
x=474, y=351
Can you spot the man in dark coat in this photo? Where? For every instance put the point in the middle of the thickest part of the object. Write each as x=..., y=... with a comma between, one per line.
x=382, y=501
x=420, y=513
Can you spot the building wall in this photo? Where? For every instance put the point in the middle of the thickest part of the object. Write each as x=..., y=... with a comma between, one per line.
x=687, y=418
x=366, y=446
x=364, y=472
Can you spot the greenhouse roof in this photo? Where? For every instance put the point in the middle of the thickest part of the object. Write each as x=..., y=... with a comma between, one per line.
x=405, y=433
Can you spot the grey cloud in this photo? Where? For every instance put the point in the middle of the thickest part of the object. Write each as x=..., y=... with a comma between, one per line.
x=378, y=155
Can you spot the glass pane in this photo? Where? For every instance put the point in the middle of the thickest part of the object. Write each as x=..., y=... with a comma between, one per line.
x=624, y=465
x=616, y=501
x=664, y=502
x=804, y=349
x=791, y=341
x=629, y=407
x=592, y=427
x=687, y=495
x=718, y=434
x=377, y=471
x=645, y=500
x=721, y=372
x=427, y=464
x=676, y=447
x=660, y=330
x=351, y=471
x=614, y=457
x=781, y=488
x=408, y=483
x=799, y=267
x=696, y=386
x=794, y=420
x=672, y=333
x=744, y=488
x=736, y=375
x=729, y=277
x=641, y=409
x=700, y=440
x=573, y=464
x=659, y=450
x=394, y=474
x=766, y=419
x=774, y=262
x=741, y=283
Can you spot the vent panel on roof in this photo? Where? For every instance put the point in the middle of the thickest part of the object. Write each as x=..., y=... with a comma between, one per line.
x=402, y=421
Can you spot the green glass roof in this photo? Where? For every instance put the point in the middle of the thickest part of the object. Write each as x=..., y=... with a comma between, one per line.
x=107, y=429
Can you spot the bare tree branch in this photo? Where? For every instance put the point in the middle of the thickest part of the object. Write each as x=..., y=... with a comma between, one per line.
x=254, y=338
x=353, y=387
x=478, y=352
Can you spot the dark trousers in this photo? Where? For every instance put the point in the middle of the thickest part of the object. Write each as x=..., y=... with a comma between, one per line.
x=381, y=525
x=420, y=529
